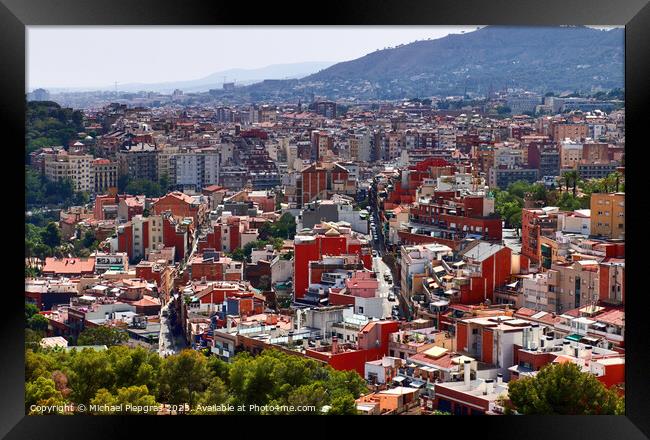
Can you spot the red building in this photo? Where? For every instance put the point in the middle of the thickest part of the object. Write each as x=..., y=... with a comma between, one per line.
x=319, y=179
x=212, y=266
x=228, y=233
x=241, y=300
x=129, y=207
x=177, y=234
x=453, y=217
x=254, y=133
x=488, y=266
x=106, y=206
x=181, y=205
x=160, y=273
x=534, y=224
x=372, y=344
x=611, y=280
x=327, y=240
x=135, y=240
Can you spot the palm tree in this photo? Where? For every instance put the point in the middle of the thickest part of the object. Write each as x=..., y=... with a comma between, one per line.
x=572, y=176
x=615, y=179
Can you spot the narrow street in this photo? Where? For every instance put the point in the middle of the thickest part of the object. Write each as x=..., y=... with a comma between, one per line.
x=167, y=343
x=385, y=288
x=379, y=266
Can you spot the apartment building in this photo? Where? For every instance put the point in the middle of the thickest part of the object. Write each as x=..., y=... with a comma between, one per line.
x=166, y=159
x=608, y=215
x=74, y=167
x=359, y=147
x=138, y=161
x=536, y=223
x=197, y=169
x=502, y=177
x=104, y=175
x=570, y=153
x=569, y=131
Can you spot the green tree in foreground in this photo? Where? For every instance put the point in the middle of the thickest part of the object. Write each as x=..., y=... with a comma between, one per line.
x=564, y=389
x=183, y=376
x=343, y=405
x=102, y=335
x=128, y=400
x=216, y=394
x=144, y=186
x=42, y=391
x=38, y=323
x=52, y=235
x=30, y=310
x=122, y=375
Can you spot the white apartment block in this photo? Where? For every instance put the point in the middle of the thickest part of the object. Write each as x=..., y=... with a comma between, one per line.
x=76, y=167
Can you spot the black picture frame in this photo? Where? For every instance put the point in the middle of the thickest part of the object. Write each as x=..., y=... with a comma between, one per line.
x=15, y=15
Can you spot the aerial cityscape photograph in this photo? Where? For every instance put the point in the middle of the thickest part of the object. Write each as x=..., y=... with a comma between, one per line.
x=354, y=220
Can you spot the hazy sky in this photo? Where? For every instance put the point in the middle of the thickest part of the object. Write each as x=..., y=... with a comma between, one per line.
x=81, y=56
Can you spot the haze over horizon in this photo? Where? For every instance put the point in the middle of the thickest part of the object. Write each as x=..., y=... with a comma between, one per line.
x=96, y=57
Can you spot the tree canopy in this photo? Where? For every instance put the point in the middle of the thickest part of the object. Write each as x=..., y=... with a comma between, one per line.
x=48, y=124
x=121, y=375
x=284, y=228
x=102, y=335
x=564, y=389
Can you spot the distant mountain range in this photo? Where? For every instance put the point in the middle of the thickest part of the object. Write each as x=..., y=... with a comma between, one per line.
x=216, y=80
x=491, y=58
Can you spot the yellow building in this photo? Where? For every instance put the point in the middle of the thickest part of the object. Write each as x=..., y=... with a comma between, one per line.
x=608, y=215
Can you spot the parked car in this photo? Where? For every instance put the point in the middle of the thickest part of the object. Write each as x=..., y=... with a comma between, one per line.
x=374, y=253
x=391, y=297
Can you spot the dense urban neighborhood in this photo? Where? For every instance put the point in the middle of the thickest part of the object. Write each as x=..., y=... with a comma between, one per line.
x=457, y=255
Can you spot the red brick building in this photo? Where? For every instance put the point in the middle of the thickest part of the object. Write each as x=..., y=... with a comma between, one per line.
x=320, y=179
x=372, y=344
x=534, y=224
x=161, y=274
x=181, y=205
x=102, y=202
x=327, y=240
x=229, y=233
x=611, y=280
x=133, y=236
x=488, y=266
x=212, y=266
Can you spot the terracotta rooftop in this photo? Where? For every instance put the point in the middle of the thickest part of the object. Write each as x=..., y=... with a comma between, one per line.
x=65, y=266
x=614, y=317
